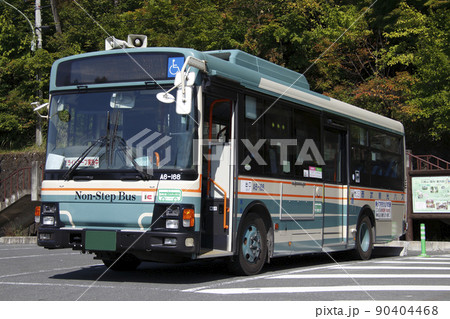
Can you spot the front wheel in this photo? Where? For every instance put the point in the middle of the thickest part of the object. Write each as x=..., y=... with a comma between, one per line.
x=364, y=238
x=252, y=247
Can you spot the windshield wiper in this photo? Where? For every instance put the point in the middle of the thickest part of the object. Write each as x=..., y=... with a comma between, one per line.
x=68, y=175
x=142, y=172
x=123, y=147
x=109, y=140
x=113, y=135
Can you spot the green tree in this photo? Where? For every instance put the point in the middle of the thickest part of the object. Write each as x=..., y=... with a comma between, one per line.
x=417, y=42
x=16, y=118
x=391, y=59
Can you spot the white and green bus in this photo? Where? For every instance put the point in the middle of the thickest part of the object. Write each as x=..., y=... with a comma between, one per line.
x=171, y=154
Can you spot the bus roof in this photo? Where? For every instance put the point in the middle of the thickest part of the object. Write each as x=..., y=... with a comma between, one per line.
x=253, y=73
x=264, y=76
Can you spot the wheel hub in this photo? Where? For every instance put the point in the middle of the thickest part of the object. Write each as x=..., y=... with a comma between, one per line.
x=251, y=245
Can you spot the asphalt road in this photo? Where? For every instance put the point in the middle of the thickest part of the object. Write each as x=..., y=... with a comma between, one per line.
x=31, y=273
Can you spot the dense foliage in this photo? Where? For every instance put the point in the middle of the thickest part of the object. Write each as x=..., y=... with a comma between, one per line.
x=391, y=57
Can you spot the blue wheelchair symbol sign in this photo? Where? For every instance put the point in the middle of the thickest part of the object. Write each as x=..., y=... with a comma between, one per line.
x=174, y=65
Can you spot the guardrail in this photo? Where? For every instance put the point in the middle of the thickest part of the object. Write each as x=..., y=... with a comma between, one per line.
x=23, y=181
x=426, y=162
x=15, y=185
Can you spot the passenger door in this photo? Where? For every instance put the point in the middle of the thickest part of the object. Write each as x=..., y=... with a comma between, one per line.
x=335, y=186
x=218, y=164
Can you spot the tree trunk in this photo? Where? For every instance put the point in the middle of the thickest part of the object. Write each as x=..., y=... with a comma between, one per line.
x=56, y=16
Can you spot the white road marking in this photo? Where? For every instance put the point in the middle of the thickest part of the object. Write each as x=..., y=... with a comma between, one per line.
x=49, y=270
x=32, y=256
x=412, y=262
x=50, y=284
x=406, y=265
x=360, y=276
x=288, y=290
x=389, y=267
x=253, y=278
x=18, y=248
x=429, y=258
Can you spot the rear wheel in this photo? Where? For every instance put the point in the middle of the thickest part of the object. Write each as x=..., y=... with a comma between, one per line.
x=252, y=247
x=125, y=263
x=364, y=238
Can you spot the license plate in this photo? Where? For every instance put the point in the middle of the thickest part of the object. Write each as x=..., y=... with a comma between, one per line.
x=100, y=240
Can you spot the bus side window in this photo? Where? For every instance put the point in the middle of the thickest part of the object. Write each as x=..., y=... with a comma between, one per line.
x=386, y=160
x=360, y=169
x=278, y=134
x=306, y=127
x=253, y=132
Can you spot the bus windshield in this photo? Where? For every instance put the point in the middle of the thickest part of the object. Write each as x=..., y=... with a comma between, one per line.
x=121, y=130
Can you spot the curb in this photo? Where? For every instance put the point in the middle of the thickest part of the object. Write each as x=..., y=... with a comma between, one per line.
x=19, y=240
x=415, y=246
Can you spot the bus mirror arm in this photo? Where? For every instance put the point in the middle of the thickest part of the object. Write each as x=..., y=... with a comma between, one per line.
x=39, y=107
x=186, y=80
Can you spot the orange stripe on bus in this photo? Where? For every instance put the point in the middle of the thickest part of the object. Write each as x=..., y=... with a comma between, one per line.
x=377, y=190
x=112, y=190
x=99, y=189
x=71, y=189
x=291, y=195
x=374, y=199
x=290, y=183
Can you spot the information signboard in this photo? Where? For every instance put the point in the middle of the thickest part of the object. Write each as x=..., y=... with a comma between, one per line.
x=431, y=194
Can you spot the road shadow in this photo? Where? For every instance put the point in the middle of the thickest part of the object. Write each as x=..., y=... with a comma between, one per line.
x=149, y=272
x=387, y=252
x=206, y=271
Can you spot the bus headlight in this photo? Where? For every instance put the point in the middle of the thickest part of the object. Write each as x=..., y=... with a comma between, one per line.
x=173, y=212
x=48, y=220
x=172, y=223
x=170, y=241
x=49, y=208
x=49, y=214
x=45, y=236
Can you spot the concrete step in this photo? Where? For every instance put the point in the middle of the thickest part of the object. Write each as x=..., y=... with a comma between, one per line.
x=19, y=215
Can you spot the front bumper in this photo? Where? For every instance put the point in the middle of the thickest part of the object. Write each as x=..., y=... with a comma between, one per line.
x=94, y=240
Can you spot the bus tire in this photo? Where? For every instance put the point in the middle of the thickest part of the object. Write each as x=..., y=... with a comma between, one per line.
x=364, y=238
x=251, y=247
x=125, y=263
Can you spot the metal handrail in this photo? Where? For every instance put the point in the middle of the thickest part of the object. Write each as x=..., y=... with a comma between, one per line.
x=426, y=162
x=225, y=209
x=17, y=181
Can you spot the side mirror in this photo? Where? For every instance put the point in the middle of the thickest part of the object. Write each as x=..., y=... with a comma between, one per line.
x=184, y=101
x=184, y=92
x=184, y=81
